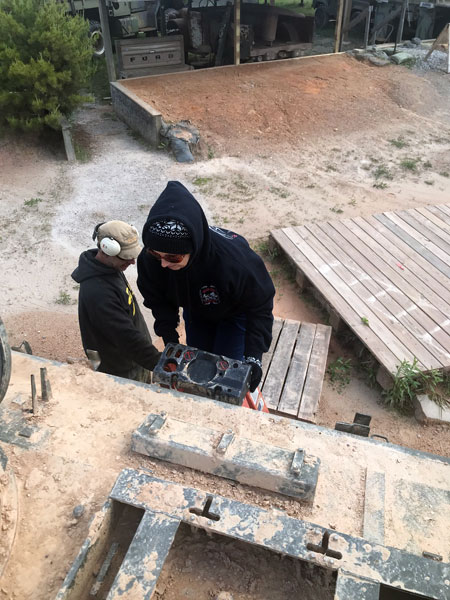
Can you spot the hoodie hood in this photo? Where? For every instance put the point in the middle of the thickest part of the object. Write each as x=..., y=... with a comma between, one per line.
x=89, y=266
x=176, y=202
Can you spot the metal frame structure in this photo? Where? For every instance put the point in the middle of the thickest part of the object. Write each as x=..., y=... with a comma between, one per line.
x=363, y=568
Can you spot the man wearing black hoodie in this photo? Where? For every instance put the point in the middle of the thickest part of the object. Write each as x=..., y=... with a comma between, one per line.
x=111, y=323
x=223, y=287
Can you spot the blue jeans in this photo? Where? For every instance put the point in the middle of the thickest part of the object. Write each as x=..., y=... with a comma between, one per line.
x=226, y=338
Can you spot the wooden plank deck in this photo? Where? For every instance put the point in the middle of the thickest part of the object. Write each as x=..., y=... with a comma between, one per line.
x=294, y=368
x=388, y=278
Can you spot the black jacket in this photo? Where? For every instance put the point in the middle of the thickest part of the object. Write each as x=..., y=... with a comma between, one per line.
x=110, y=319
x=224, y=276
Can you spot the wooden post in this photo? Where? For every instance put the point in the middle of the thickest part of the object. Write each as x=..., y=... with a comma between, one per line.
x=338, y=29
x=237, y=32
x=103, y=11
x=366, y=31
x=33, y=396
x=346, y=20
x=401, y=23
x=68, y=143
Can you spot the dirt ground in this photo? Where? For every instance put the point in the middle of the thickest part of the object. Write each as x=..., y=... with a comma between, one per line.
x=301, y=141
x=221, y=569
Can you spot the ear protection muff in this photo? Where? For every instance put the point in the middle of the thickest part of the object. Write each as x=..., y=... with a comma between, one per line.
x=108, y=245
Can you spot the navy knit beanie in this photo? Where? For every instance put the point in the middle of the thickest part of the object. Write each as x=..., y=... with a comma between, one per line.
x=169, y=236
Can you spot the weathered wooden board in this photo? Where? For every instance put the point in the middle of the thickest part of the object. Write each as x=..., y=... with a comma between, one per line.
x=387, y=276
x=294, y=368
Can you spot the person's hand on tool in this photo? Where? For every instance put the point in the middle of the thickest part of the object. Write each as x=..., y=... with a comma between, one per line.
x=155, y=360
x=255, y=373
x=171, y=338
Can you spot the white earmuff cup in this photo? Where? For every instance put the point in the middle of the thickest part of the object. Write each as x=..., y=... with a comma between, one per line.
x=110, y=246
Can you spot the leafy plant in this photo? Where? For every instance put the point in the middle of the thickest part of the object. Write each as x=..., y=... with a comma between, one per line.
x=262, y=248
x=339, y=373
x=399, y=142
x=336, y=209
x=278, y=192
x=45, y=60
x=369, y=368
x=381, y=185
x=63, y=298
x=365, y=321
x=444, y=174
x=202, y=180
x=410, y=164
x=409, y=381
x=429, y=182
x=382, y=172
x=32, y=201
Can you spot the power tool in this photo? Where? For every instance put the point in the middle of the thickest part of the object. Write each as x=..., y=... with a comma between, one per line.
x=195, y=371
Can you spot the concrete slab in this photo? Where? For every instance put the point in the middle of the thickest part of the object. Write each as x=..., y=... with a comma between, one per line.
x=431, y=410
x=228, y=455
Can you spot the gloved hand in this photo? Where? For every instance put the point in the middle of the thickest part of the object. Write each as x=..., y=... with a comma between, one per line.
x=171, y=337
x=255, y=373
x=154, y=360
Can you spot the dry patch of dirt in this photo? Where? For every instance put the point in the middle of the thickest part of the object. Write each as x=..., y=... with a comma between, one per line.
x=261, y=107
x=217, y=568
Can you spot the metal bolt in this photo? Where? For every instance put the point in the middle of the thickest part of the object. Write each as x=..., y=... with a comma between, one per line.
x=44, y=394
x=33, y=395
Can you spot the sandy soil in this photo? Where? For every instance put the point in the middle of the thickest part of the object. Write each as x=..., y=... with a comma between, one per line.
x=221, y=569
x=327, y=130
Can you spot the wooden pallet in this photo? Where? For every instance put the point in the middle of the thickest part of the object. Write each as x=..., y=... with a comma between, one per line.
x=294, y=368
x=387, y=276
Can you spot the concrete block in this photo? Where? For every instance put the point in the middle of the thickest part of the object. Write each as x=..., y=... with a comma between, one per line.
x=431, y=410
x=228, y=455
x=138, y=115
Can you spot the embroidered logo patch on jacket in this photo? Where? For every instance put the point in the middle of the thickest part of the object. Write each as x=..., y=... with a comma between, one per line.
x=209, y=295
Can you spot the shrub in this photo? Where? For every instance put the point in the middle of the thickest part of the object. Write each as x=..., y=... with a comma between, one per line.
x=410, y=380
x=45, y=60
